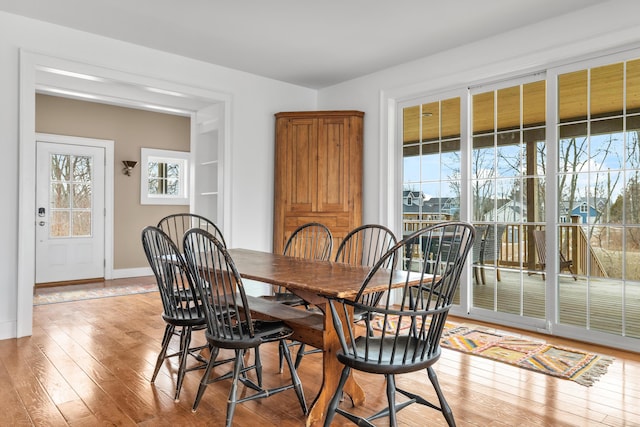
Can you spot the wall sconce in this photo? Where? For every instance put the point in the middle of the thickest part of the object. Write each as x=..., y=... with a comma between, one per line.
x=128, y=166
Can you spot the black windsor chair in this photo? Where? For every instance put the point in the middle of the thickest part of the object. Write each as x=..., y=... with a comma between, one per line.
x=540, y=238
x=476, y=254
x=310, y=241
x=365, y=246
x=179, y=302
x=491, y=248
x=229, y=322
x=406, y=336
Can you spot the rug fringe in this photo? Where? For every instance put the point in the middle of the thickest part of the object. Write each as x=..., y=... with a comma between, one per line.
x=592, y=372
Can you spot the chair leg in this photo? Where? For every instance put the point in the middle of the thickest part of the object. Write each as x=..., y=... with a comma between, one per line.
x=185, y=341
x=295, y=379
x=204, y=381
x=335, y=400
x=258, y=365
x=444, y=406
x=168, y=333
x=233, y=399
x=281, y=356
x=300, y=355
x=391, y=399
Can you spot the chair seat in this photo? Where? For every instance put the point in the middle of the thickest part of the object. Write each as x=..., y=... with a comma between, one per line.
x=270, y=331
x=264, y=331
x=390, y=361
x=191, y=317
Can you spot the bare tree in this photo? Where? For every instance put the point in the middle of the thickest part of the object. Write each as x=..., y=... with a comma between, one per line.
x=570, y=162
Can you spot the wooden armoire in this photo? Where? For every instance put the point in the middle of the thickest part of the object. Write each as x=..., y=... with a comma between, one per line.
x=318, y=172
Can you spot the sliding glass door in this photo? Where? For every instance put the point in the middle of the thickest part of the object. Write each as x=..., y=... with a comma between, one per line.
x=431, y=164
x=598, y=171
x=508, y=149
x=547, y=168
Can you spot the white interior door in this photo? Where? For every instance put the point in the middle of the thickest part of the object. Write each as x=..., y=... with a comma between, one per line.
x=70, y=212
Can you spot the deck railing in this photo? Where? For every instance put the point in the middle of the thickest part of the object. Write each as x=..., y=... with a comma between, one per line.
x=518, y=250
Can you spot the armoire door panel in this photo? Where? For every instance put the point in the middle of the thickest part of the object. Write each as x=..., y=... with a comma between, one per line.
x=301, y=151
x=333, y=165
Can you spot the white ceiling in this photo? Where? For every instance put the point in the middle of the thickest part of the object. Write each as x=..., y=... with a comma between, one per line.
x=308, y=43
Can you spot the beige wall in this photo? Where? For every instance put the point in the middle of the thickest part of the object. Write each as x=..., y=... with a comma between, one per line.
x=131, y=130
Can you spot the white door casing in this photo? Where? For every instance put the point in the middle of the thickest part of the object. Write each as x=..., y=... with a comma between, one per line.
x=70, y=212
x=35, y=75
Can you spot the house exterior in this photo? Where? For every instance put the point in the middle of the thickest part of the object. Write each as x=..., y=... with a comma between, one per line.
x=509, y=211
x=587, y=214
x=418, y=209
x=513, y=211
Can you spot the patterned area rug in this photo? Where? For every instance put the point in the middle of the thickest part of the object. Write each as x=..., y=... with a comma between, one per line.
x=581, y=367
x=84, y=294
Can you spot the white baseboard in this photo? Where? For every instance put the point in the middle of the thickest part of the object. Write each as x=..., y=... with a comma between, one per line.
x=252, y=287
x=123, y=273
x=7, y=330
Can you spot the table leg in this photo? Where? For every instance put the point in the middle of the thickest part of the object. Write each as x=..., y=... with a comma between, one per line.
x=332, y=369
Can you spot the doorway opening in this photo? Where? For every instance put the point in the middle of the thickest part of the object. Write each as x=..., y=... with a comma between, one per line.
x=55, y=76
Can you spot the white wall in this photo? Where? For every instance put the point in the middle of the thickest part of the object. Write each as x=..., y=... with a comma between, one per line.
x=254, y=101
x=614, y=24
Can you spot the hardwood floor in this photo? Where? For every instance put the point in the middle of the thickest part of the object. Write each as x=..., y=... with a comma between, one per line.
x=89, y=363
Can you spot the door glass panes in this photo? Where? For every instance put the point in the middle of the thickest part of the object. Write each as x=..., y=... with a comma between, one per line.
x=70, y=196
x=598, y=169
x=507, y=189
x=431, y=165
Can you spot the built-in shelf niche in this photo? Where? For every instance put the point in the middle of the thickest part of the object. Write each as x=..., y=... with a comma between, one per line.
x=207, y=155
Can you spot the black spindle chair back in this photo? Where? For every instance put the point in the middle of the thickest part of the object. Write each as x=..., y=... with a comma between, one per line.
x=176, y=225
x=310, y=241
x=364, y=246
x=406, y=333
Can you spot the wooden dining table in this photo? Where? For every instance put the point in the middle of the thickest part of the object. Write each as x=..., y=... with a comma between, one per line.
x=315, y=281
